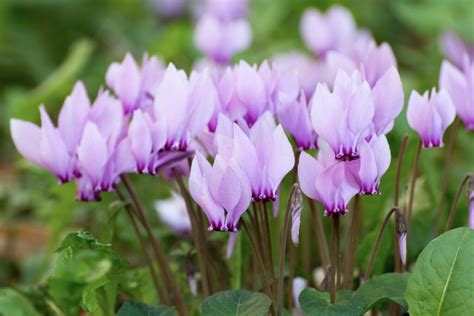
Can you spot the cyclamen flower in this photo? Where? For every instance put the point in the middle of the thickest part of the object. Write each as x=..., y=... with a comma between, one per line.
x=342, y=118
x=50, y=147
x=184, y=105
x=455, y=48
x=265, y=154
x=221, y=190
x=227, y=10
x=327, y=180
x=251, y=91
x=135, y=87
x=219, y=40
x=430, y=115
x=103, y=152
x=371, y=166
x=334, y=30
x=293, y=114
x=459, y=83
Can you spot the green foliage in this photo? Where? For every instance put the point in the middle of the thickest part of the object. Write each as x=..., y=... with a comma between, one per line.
x=386, y=287
x=442, y=281
x=86, y=273
x=12, y=303
x=131, y=308
x=240, y=302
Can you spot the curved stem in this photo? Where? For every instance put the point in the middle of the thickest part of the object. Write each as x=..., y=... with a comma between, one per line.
x=320, y=235
x=283, y=241
x=159, y=254
x=350, y=245
x=162, y=294
x=334, y=257
x=452, y=211
x=412, y=183
x=257, y=255
x=401, y=228
x=444, y=177
x=195, y=228
x=401, y=154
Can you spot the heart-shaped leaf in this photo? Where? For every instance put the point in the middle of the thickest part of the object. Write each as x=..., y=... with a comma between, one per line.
x=240, y=302
x=442, y=282
x=132, y=308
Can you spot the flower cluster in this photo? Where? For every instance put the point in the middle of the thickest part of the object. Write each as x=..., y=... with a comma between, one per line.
x=233, y=118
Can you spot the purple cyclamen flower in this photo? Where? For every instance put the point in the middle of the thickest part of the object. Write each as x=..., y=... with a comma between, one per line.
x=227, y=10
x=334, y=30
x=173, y=213
x=265, y=155
x=219, y=40
x=455, y=48
x=135, y=87
x=402, y=247
x=185, y=105
x=430, y=115
x=54, y=148
x=169, y=8
x=374, y=161
x=327, y=180
x=221, y=190
x=146, y=139
x=460, y=85
x=293, y=112
x=342, y=118
x=253, y=91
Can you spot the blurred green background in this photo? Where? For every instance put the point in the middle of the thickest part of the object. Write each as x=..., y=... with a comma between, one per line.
x=46, y=45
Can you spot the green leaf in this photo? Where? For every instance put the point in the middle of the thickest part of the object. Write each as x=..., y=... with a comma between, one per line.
x=240, y=302
x=12, y=303
x=132, y=308
x=86, y=273
x=379, y=289
x=390, y=286
x=442, y=282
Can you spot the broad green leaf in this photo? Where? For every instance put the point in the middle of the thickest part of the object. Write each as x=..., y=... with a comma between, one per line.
x=12, y=303
x=316, y=303
x=390, y=286
x=240, y=302
x=379, y=289
x=132, y=308
x=442, y=282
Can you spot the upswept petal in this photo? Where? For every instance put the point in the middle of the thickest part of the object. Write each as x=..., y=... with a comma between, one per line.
x=27, y=138
x=282, y=158
x=388, y=100
x=308, y=170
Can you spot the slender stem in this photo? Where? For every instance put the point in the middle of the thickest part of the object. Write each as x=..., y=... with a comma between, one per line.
x=444, y=177
x=162, y=294
x=320, y=235
x=452, y=211
x=283, y=241
x=378, y=239
x=269, y=244
x=412, y=183
x=159, y=254
x=401, y=155
x=195, y=233
x=350, y=245
x=257, y=255
x=334, y=257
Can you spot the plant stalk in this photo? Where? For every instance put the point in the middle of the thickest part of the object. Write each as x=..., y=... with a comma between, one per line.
x=162, y=294
x=320, y=235
x=334, y=257
x=412, y=183
x=159, y=254
x=350, y=245
x=452, y=212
